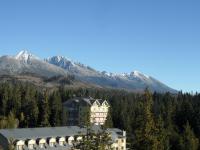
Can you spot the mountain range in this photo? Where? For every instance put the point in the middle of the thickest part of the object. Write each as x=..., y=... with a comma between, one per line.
x=26, y=64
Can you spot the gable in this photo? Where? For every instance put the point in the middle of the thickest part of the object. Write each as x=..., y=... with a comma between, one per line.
x=105, y=103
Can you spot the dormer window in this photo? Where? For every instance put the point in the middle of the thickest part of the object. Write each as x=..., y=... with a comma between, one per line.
x=31, y=144
x=61, y=141
x=70, y=140
x=52, y=142
x=41, y=143
x=20, y=145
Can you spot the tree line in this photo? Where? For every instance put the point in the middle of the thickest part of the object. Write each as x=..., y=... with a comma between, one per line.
x=152, y=120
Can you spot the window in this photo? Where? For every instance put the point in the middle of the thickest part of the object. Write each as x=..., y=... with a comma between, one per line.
x=51, y=144
x=19, y=147
x=30, y=146
x=70, y=142
x=61, y=143
x=41, y=145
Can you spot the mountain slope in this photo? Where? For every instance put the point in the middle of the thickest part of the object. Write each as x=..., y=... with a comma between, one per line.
x=26, y=63
x=134, y=81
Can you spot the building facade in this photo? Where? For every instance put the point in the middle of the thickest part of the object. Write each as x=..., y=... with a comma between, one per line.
x=77, y=110
x=54, y=138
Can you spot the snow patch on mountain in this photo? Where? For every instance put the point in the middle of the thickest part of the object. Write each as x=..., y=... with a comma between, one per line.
x=134, y=74
x=139, y=74
x=70, y=65
x=25, y=56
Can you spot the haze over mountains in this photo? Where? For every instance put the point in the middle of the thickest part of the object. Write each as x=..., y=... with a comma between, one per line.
x=25, y=63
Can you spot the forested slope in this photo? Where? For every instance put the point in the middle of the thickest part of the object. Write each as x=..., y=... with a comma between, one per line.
x=152, y=121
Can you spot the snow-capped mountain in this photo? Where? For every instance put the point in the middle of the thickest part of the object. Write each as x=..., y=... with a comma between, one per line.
x=27, y=63
x=135, y=80
x=71, y=66
x=25, y=56
x=134, y=74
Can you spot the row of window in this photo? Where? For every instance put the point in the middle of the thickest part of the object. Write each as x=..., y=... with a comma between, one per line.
x=98, y=119
x=42, y=143
x=100, y=109
x=122, y=148
x=99, y=113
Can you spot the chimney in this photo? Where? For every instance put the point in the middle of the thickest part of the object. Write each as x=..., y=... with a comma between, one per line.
x=124, y=133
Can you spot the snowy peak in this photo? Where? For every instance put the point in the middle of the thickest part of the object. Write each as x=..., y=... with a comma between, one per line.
x=69, y=64
x=139, y=74
x=60, y=61
x=109, y=74
x=25, y=56
x=59, y=58
x=134, y=74
x=55, y=58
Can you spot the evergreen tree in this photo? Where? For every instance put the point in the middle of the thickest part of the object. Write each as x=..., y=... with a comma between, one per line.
x=146, y=134
x=64, y=117
x=21, y=120
x=162, y=135
x=11, y=145
x=84, y=116
x=16, y=97
x=190, y=142
x=55, y=105
x=3, y=122
x=100, y=140
x=5, y=98
x=12, y=122
x=32, y=113
x=109, y=122
x=103, y=140
x=44, y=110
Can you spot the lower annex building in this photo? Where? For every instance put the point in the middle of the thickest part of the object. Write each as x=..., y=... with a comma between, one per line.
x=54, y=138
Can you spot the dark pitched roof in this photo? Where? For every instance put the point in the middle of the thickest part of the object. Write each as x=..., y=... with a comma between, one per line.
x=88, y=101
x=35, y=133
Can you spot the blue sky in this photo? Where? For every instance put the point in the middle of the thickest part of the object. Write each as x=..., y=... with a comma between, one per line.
x=158, y=38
